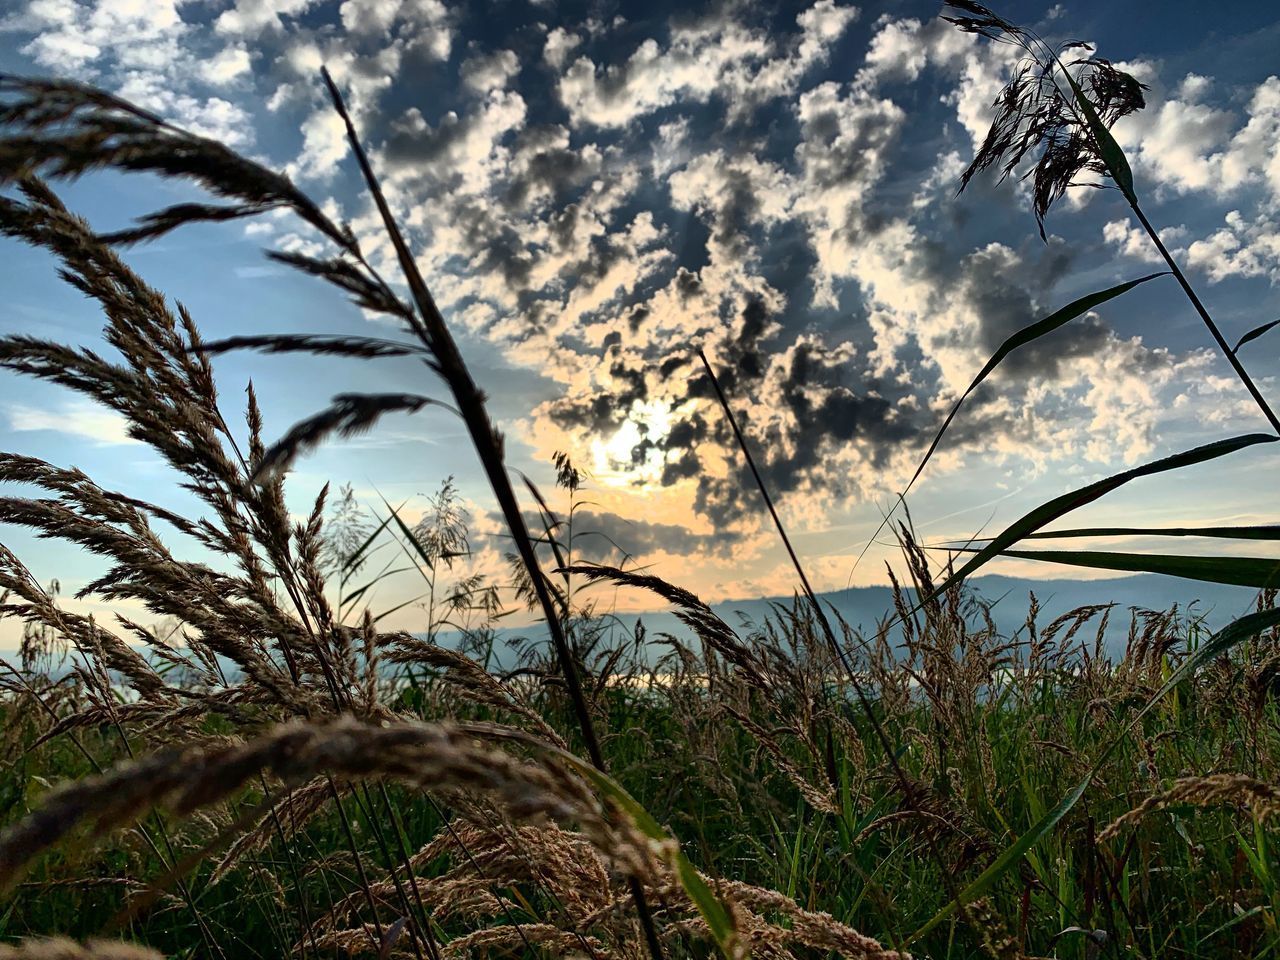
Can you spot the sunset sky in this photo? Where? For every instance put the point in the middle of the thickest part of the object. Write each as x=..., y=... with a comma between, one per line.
x=595, y=190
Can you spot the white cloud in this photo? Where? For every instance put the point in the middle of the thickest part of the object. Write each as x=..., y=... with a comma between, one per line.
x=1241, y=248
x=489, y=71
x=324, y=144
x=425, y=23
x=80, y=418
x=1177, y=143
x=559, y=44
x=212, y=117
x=251, y=18
x=1133, y=242
x=710, y=57
x=226, y=66
x=1190, y=146
x=71, y=37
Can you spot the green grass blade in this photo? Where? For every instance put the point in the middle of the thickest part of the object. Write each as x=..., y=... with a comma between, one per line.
x=1259, y=532
x=1028, y=334
x=1008, y=858
x=1221, y=642
x=1117, y=163
x=1254, y=334
x=1259, y=572
x=1217, y=645
x=1059, y=506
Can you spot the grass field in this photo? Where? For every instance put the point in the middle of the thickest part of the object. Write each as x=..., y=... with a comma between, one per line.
x=261, y=770
x=770, y=779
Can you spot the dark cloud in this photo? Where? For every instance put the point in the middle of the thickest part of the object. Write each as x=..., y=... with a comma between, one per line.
x=545, y=168
x=1002, y=289
x=609, y=534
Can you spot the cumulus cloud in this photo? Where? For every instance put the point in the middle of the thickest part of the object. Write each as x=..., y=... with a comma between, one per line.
x=710, y=55
x=1240, y=248
x=71, y=36
x=490, y=71
x=226, y=66
x=141, y=51
x=248, y=18
x=1187, y=145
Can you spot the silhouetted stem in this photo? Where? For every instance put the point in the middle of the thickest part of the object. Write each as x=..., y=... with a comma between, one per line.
x=836, y=649
x=430, y=327
x=1227, y=352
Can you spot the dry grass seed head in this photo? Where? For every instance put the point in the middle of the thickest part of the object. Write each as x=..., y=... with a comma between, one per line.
x=438, y=756
x=60, y=948
x=1262, y=799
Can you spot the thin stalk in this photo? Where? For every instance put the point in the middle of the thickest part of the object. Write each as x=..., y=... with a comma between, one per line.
x=1126, y=188
x=364, y=877
x=407, y=859
x=1221, y=341
x=307, y=928
x=431, y=328
x=426, y=936
x=833, y=643
x=211, y=944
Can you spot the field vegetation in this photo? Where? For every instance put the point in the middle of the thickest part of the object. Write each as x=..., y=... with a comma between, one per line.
x=263, y=770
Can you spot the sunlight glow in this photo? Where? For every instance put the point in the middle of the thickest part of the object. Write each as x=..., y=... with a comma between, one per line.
x=625, y=459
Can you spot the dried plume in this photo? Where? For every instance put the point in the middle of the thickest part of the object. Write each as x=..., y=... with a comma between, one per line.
x=1037, y=115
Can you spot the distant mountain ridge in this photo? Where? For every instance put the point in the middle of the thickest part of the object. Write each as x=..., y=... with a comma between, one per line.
x=863, y=608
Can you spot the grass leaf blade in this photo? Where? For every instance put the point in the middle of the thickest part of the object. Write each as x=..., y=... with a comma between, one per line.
x=1215, y=646
x=1258, y=572
x=1258, y=532
x=1026, y=335
x=1060, y=506
x=1254, y=334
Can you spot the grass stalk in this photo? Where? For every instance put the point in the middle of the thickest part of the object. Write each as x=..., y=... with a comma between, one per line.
x=430, y=326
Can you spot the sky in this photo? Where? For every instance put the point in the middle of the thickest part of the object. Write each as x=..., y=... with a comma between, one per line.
x=596, y=190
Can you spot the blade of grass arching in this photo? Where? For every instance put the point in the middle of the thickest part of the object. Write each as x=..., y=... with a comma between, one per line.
x=1217, y=645
x=1028, y=334
x=1060, y=506
x=429, y=325
x=1258, y=572
x=1108, y=149
x=1254, y=334
x=1259, y=532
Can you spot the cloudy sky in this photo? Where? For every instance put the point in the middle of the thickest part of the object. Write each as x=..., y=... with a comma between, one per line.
x=595, y=190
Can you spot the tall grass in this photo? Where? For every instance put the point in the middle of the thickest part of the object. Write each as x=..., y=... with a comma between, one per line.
x=279, y=774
